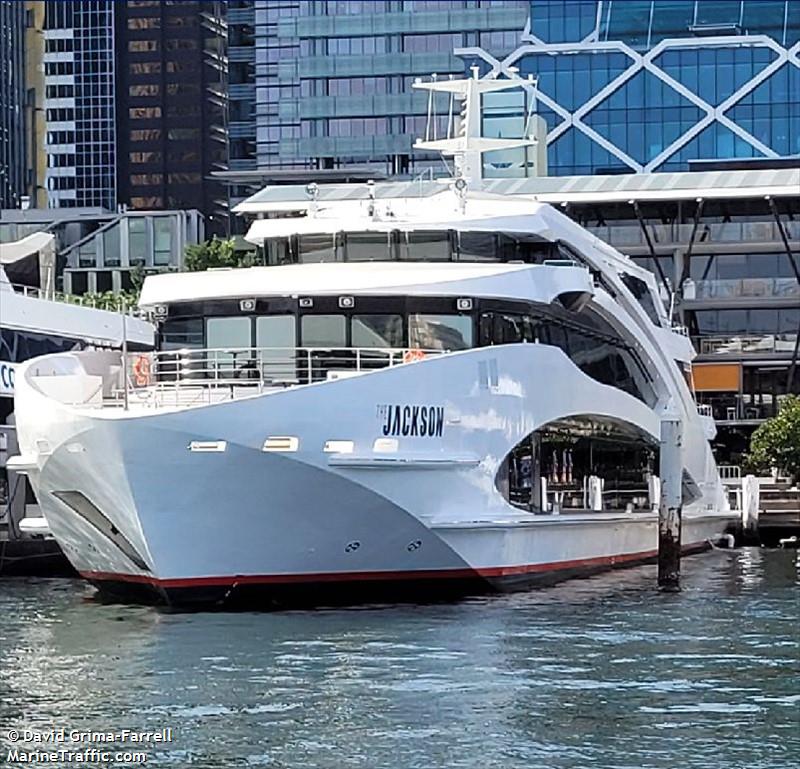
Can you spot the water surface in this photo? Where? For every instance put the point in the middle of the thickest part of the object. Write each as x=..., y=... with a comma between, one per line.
x=604, y=672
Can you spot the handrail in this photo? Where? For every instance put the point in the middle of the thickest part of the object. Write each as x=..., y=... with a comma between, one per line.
x=188, y=376
x=34, y=292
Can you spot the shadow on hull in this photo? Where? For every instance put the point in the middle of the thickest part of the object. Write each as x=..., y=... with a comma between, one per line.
x=271, y=595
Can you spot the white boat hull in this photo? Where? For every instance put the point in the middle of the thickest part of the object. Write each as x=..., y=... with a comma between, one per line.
x=145, y=517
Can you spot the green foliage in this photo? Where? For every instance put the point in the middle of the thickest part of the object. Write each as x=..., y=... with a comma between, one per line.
x=776, y=443
x=216, y=253
x=107, y=300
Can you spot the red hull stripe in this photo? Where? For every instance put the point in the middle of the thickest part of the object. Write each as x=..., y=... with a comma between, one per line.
x=370, y=576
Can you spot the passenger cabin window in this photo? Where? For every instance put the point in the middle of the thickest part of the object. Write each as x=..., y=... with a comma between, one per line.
x=317, y=248
x=425, y=246
x=377, y=331
x=179, y=334
x=229, y=346
x=440, y=332
x=643, y=295
x=276, y=340
x=323, y=331
x=367, y=246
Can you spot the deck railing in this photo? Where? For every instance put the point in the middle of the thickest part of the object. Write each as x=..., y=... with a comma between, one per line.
x=193, y=376
x=91, y=301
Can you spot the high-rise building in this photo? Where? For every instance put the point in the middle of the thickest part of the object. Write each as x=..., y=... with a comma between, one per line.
x=170, y=97
x=79, y=63
x=12, y=103
x=652, y=85
x=35, y=124
x=325, y=86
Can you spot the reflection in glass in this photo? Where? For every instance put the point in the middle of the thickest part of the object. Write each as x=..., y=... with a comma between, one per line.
x=440, y=332
x=377, y=331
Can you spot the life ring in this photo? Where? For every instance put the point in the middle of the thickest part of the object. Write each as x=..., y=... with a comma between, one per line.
x=414, y=354
x=141, y=371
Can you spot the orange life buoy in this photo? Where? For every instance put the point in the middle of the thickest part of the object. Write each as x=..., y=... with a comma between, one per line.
x=141, y=371
x=409, y=356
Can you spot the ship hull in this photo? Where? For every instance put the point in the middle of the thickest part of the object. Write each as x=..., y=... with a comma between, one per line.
x=184, y=506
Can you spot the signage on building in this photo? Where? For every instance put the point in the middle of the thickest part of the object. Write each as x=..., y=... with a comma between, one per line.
x=6, y=379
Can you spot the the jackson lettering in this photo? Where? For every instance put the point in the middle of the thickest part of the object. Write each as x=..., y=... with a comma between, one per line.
x=409, y=420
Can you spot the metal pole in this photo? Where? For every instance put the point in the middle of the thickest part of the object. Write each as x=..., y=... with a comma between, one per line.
x=669, y=511
x=124, y=358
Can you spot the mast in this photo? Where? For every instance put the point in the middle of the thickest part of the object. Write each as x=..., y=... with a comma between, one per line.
x=464, y=142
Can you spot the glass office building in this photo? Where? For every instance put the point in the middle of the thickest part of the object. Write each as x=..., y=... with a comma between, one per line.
x=326, y=85
x=653, y=85
x=79, y=104
x=12, y=103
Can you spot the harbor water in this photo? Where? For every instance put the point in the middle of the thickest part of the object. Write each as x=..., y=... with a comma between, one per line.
x=603, y=672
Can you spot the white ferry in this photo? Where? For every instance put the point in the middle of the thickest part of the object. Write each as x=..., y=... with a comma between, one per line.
x=430, y=389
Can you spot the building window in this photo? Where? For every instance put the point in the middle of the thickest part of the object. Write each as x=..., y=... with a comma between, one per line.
x=151, y=201
x=183, y=89
x=145, y=68
x=185, y=178
x=146, y=23
x=181, y=45
x=142, y=45
x=139, y=113
x=179, y=134
x=145, y=157
x=146, y=134
x=140, y=179
x=151, y=89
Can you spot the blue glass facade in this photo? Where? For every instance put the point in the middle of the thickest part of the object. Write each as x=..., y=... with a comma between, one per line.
x=652, y=85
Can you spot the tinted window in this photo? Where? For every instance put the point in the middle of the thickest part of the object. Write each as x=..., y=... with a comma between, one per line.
x=377, y=331
x=440, y=332
x=323, y=331
x=179, y=334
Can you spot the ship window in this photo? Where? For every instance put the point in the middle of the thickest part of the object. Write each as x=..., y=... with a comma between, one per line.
x=180, y=334
x=277, y=331
x=440, y=332
x=228, y=341
x=643, y=295
x=377, y=331
x=324, y=330
x=425, y=246
x=506, y=328
x=317, y=248
x=366, y=246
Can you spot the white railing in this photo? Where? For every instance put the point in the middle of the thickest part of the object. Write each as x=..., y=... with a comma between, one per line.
x=768, y=343
x=194, y=376
x=729, y=472
x=705, y=410
x=34, y=292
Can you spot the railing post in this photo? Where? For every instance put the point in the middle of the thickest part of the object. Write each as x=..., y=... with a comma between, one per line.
x=669, y=511
x=124, y=359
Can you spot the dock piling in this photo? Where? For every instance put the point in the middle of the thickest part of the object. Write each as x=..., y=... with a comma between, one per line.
x=669, y=510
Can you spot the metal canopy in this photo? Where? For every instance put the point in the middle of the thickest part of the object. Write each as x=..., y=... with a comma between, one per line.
x=687, y=185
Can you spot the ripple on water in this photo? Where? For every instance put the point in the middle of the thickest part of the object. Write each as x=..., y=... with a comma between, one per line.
x=602, y=673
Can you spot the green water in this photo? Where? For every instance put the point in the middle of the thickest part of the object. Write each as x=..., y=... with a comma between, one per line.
x=604, y=672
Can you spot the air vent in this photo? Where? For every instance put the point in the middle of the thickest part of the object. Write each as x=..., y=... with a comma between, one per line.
x=285, y=443
x=208, y=446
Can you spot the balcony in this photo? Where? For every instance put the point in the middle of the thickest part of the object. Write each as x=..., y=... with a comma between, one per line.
x=767, y=344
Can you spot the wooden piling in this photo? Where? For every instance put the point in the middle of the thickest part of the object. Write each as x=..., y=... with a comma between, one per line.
x=669, y=510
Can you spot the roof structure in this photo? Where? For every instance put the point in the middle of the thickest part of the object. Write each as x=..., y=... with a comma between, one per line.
x=540, y=283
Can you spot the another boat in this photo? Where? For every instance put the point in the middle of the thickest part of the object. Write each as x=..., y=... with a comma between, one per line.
x=35, y=320
x=431, y=390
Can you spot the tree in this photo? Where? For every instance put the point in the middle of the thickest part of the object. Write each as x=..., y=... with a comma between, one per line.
x=776, y=443
x=216, y=253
